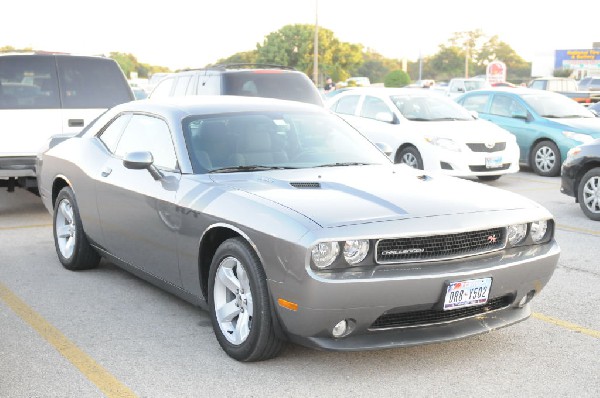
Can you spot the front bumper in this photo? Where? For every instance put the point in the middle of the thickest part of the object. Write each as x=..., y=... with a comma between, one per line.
x=17, y=166
x=472, y=164
x=362, y=297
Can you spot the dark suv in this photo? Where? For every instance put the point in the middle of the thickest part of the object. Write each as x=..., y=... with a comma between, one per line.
x=251, y=80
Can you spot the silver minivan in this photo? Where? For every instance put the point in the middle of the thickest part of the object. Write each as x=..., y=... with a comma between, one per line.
x=42, y=95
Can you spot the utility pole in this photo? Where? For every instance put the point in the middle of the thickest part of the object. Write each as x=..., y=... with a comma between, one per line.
x=316, y=46
x=467, y=63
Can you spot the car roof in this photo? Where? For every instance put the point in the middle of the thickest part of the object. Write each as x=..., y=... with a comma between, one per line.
x=416, y=91
x=511, y=90
x=214, y=104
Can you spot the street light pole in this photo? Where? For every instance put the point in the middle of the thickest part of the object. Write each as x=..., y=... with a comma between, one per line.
x=316, y=46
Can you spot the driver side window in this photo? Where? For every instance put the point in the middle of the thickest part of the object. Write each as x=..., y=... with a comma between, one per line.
x=147, y=133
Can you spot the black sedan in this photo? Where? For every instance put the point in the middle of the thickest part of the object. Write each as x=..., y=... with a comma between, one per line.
x=581, y=178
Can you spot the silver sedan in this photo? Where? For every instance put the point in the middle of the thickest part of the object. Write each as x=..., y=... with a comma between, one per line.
x=288, y=225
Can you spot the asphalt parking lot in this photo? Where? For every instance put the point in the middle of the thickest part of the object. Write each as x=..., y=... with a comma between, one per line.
x=105, y=332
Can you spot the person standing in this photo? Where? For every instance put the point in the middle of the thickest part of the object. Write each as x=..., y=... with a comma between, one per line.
x=329, y=85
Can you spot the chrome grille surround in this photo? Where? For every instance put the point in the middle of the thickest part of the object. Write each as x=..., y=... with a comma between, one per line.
x=439, y=247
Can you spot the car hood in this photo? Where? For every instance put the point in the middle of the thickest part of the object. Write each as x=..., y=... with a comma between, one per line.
x=347, y=195
x=585, y=125
x=463, y=130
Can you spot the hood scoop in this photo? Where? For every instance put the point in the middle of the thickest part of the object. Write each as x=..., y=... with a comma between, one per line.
x=306, y=185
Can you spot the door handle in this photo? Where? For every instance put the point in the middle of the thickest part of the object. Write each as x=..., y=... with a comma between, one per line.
x=106, y=172
x=75, y=122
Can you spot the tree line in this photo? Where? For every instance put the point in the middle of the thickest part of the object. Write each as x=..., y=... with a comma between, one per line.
x=293, y=46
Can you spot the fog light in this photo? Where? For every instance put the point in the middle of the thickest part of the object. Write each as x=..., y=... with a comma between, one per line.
x=527, y=298
x=340, y=329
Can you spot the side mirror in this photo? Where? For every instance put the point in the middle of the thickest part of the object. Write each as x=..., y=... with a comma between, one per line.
x=520, y=115
x=385, y=148
x=141, y=161
x=460, y=89
x=385, y=117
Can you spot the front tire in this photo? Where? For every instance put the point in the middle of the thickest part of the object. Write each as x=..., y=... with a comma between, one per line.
x=588, y=194
x=411, y=157
x=240, y=305
x=545, y=159
x=72, y=247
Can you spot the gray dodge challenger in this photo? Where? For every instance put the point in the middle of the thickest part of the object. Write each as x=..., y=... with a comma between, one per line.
x=288, y=225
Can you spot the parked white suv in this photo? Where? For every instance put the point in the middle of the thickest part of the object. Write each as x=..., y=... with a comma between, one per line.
x=42, y=95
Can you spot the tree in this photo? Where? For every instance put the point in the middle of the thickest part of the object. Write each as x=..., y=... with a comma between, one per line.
x=293, y=46
x=397, y=78
x=246, y=57
x=447, y=63
x=129, y=63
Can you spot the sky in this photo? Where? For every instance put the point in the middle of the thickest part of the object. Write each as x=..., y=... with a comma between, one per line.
x=179, y=33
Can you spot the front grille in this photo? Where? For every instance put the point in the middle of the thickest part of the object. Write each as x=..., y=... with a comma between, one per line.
x=439, y=247
x=478, y=147
x=505, y=166
x=305, y=185
x=429, y=317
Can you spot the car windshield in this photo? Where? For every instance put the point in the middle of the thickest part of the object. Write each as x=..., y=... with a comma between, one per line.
x=556, y=106
x=429, y=108
x=271, y=140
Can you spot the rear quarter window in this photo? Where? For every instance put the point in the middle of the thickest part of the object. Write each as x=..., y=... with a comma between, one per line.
x=91, y=83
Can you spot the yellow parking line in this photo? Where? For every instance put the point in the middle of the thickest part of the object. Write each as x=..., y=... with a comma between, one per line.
x=25, y=226
x=567, y=325
x=575, y=229
x=106, y=382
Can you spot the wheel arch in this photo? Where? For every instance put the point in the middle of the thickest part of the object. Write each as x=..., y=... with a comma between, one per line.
x=210, y=241
x=537, y=141
x=584, y=169
x=59, y=183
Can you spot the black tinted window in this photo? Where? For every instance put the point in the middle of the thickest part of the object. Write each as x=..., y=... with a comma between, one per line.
x=28, y=82
x=272, y=84
x=91, y=83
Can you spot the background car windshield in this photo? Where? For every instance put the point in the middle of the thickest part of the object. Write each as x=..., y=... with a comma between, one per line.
x=286, y=140
x=556, y=105
x=429, y=108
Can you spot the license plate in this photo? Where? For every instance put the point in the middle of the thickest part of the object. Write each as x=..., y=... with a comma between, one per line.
x=467, y=293
x=493, y=162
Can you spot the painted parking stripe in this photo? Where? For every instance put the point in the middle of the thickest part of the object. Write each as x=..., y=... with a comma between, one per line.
x=567, y=325
x=107, y=383
x=25, y=227
x=575, y=229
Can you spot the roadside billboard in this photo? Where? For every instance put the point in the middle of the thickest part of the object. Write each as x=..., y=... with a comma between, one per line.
x=496, y=72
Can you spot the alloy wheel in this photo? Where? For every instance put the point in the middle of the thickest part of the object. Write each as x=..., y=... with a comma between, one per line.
x=233, y=300
x=66, y=232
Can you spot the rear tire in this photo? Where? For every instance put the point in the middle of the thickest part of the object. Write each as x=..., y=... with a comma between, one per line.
x=240, y=304
x=72, y=247
x=545, y=159
x=588, y=194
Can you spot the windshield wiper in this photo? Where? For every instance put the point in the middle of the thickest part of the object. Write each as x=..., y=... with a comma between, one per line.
x=418, y=119
x=344, y=164
x=235, y=169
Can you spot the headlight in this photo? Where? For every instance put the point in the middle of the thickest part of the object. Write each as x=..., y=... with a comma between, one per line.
x=538, y=230
x=324, y=254
x=355, y=251
x=516, y=233
x=583, y=138
x=445, y=143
